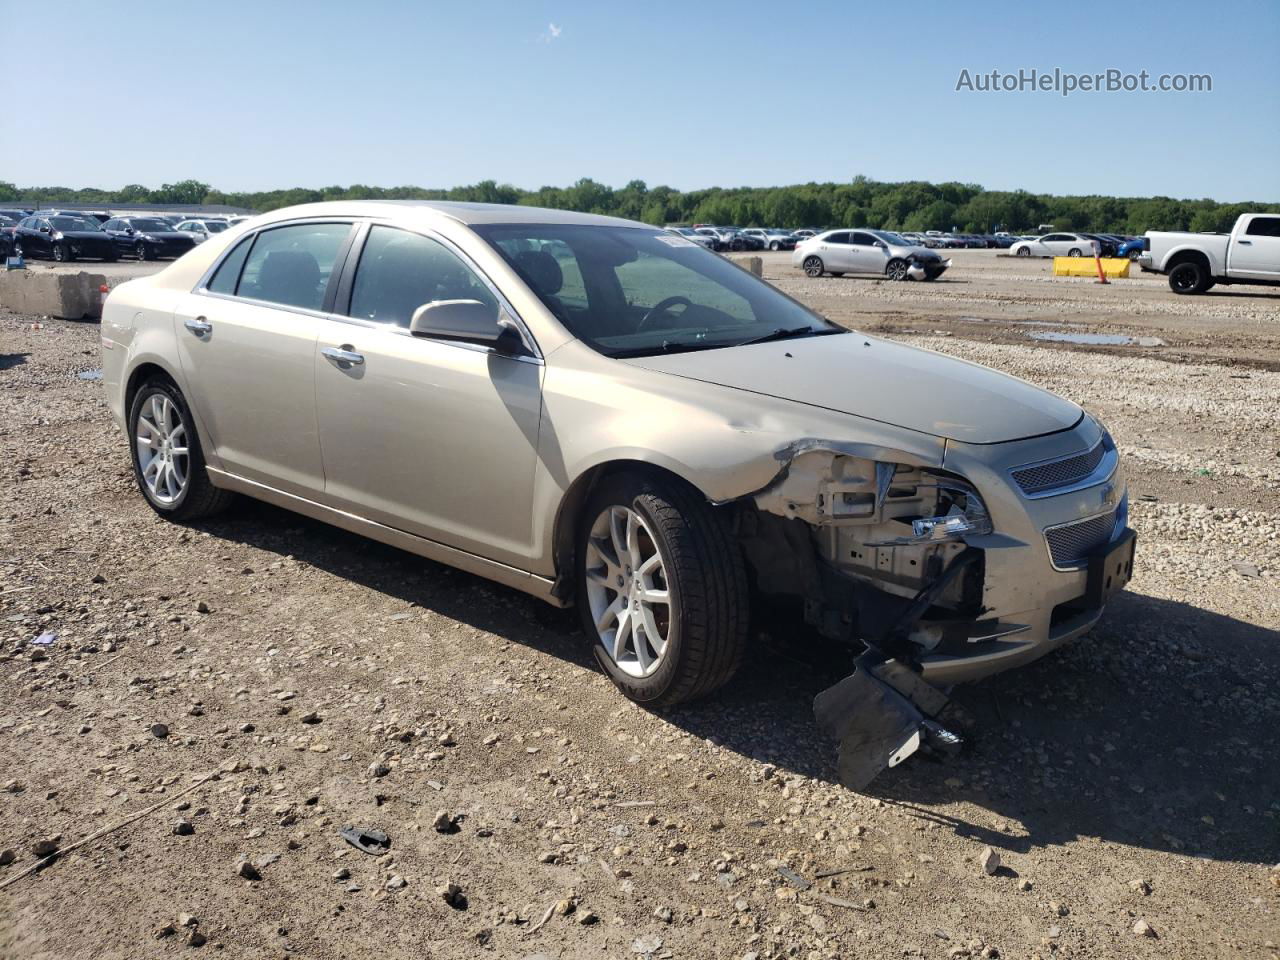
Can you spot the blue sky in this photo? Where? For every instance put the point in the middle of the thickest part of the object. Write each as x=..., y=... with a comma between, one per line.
x=257, y=95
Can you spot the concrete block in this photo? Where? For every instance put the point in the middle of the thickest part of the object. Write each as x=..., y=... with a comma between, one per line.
x=69, y=296
x=750, y=264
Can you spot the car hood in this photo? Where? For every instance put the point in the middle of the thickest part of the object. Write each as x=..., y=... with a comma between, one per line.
x=915, y=250
x=881, y=380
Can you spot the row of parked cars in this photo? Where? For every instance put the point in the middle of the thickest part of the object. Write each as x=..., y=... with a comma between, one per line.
x=66, y=235
x=1078, y=245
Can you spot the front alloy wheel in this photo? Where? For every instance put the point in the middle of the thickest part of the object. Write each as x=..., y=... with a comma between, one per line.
x=896, y=269
x=661, y=589
x=627, y=591
x=140, y=251
x=61, y=253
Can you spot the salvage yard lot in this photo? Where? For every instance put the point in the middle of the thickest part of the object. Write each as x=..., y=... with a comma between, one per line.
x=333, y=681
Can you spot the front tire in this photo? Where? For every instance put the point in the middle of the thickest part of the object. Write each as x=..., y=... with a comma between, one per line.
x=662, y=590
x=140, y=251
x=775, y=246
x=62, y=253
x=813, y=266
x=896, y=269
x=17, y=250
x=168, y=462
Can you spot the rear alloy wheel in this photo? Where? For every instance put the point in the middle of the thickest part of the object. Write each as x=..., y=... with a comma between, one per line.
x=17, y=250
x=1189, y=277
x=813, y=266
x=896, y=269
x=662, y=590
x=168, y=462
x=1073, y=252
x=1023, y=252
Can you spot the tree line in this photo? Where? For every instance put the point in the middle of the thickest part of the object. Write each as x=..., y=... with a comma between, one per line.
x=913, y=205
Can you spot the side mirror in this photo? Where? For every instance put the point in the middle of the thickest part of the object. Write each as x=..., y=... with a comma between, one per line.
x=44, y=229
x=882, y=245
x=467, y=320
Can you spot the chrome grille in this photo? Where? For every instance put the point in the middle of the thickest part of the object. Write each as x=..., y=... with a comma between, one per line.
x=1071, y=543
x=1059, y=473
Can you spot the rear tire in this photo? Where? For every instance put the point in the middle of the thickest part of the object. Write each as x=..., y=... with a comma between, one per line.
x=1189, y=277
x=775, y=246
x=1073, y=252
x=159, y=413
x=1023, y=252
x=703, y=578
x=813, y=266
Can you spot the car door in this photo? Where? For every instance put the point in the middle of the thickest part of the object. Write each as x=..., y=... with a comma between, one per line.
x=42, y=237
x=1255, y=249
x=866, y=256
x=836, y=252
x=246, y=342
x=434, y=437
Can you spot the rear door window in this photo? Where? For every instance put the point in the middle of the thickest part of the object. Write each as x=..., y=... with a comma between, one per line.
x=1264, y=227
x=291, y=265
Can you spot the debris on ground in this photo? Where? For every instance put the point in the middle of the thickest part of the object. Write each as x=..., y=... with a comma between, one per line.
x=366, y=840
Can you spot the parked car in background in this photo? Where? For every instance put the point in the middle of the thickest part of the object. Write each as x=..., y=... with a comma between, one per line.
x=1133, y=248
x=1194, y=262
x=803, y=234
x=1054, y=245
x=202, y=230
x=727, y=237
x=63, y=238
x=701, y=239
x=635, y=427
x=7, y=226
x=1107, y=246
x=877, y=252
x=771, y=239
x=148, y=238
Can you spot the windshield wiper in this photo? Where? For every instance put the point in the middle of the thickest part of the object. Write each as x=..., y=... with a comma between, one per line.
x=785, y=333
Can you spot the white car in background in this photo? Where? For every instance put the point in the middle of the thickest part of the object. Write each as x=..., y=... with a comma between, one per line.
x=701, y=239
x=1054, y=245
x=202, y=230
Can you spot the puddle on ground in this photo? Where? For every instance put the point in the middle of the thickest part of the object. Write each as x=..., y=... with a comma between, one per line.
x=90, y=374
x=1097, y=339
x=1028, y=323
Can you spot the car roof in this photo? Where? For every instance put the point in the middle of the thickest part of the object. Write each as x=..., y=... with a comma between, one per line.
x=471, y=214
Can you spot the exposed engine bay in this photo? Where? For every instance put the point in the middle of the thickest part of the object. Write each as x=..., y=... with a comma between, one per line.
x=877, y=551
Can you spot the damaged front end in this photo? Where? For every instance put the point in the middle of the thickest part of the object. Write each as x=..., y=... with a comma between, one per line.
x=891, y=568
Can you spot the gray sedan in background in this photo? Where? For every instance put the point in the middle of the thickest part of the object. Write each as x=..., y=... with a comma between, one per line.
x=877, y=252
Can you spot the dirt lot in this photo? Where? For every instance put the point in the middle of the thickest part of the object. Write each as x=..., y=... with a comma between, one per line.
x=1129, y=783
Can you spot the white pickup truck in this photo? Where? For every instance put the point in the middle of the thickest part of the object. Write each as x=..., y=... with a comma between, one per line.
x=1194, y=262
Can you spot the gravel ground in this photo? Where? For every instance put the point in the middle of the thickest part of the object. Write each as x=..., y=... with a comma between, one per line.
x=1129, y=783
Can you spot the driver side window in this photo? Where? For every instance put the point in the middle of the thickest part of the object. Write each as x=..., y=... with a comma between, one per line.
x=401, y=271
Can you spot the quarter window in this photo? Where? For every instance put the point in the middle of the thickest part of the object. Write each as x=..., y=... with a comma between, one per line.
x=291, y=265
x=401, y=271
x=228, y=273
x=838, y=238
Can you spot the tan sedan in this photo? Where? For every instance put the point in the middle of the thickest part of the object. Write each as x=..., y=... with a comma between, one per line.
x=599, y=412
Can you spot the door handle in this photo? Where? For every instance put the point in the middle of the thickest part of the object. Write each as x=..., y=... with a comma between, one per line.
x=342, y=355
x=1245, y=243
x=199, y=326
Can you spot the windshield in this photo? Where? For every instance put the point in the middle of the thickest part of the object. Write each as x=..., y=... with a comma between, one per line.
x=158, y=226
x=630, y=291
x=894, y=238
x=73, y=223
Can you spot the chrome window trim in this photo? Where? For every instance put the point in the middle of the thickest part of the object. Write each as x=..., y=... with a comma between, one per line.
x=1103, y=472
x=202, y=287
